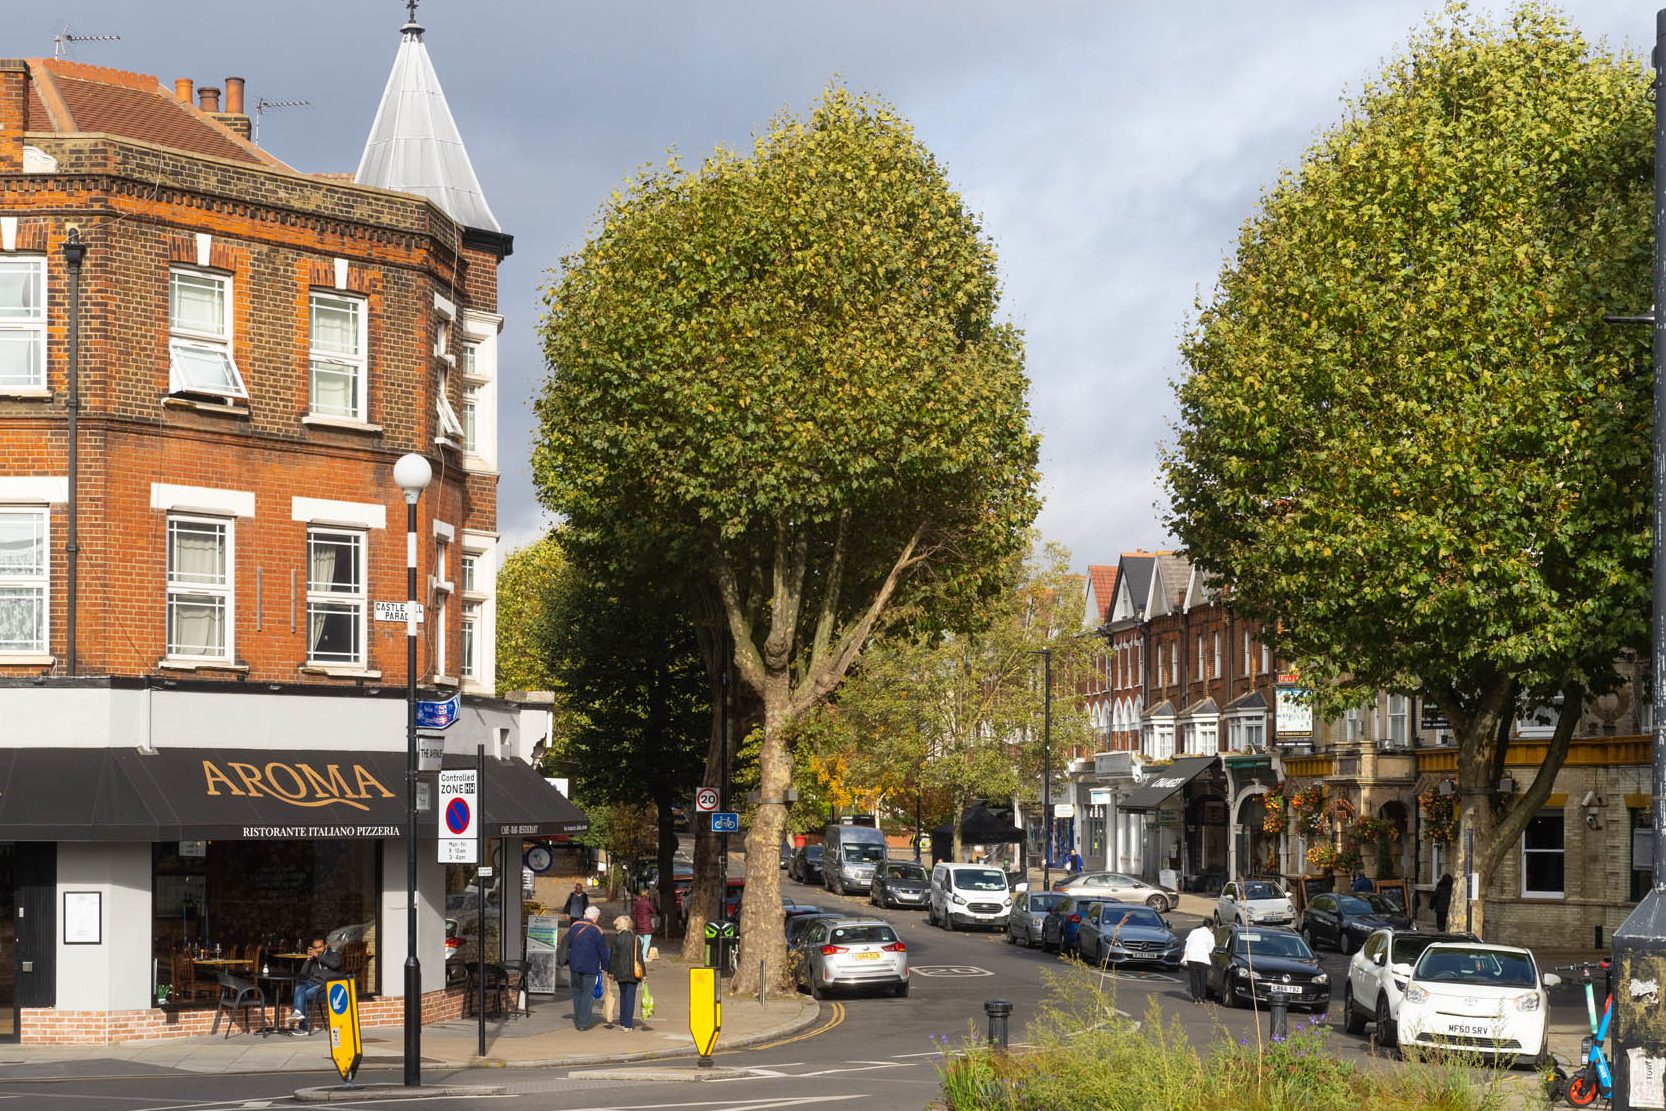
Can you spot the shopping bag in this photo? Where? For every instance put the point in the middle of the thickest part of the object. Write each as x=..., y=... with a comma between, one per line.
x=647, y=998
x=598, y=992
x=610, y=1001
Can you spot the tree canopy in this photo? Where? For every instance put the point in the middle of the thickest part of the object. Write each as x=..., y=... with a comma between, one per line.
x=784, y=370
x=1406, y=436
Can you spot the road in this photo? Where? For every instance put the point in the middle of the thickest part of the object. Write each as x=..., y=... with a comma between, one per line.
x=872, y=1054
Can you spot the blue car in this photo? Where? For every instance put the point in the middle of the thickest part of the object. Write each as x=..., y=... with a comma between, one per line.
x=1059, y=930
x=1119, y=933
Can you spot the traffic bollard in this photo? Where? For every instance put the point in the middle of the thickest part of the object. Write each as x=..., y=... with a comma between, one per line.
x=997, y=1010
x=1278, y=1017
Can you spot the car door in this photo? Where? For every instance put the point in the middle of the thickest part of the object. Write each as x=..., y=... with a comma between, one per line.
x=1321, y=920
x=809, y=948
x=1226, y=909
x=1220, y=958
x=1088, y=938
x=1363, y=973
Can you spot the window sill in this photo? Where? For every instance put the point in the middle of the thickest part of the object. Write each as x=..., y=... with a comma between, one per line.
x=339, y=671
x=440, y=680
x=1545, y=896
x=447, y=441
x=167, y=664
x=26, y=394
x=475, y=686
x=343, y=424
x=27, y=659
x=232, y=408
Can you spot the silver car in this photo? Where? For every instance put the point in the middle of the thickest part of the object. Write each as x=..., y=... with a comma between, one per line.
x=1029, y=914
x=851, y=953
x=1120, y=888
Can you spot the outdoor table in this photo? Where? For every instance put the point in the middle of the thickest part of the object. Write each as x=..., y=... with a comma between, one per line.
x=276, y=980
x=222, y=963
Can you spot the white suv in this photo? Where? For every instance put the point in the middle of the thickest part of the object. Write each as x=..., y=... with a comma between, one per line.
x=968, y=895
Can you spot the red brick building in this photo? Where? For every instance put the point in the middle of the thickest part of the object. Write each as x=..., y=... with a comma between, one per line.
x=209, y=363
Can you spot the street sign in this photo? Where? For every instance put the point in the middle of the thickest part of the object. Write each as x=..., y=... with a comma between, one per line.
x=705, y=800
x=725, y=821
x=459, y=811
x=395, y=611
x=342, y=1011
x=436, y=715
x=705, y=1011
x=430, y=753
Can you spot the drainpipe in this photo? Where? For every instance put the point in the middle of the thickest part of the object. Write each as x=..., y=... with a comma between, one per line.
x=74, y=251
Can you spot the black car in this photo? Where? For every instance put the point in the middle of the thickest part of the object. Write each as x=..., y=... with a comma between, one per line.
x=805, y=866
x=1251, y=964
x=899, y=883
x=1345, y=921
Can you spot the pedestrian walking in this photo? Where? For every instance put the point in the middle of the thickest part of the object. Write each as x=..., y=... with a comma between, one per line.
x=1074, y=862
x=1200, y=943
x=577, y=903
x=642, y=920
x=587, y=957
x=1441, y=901
x=625, y=967
x=1363, y=884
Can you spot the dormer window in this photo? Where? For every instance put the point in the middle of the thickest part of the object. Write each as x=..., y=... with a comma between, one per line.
x=199, y=335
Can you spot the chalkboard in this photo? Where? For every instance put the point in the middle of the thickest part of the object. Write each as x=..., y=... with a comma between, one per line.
x=542, y=973
x=1395, y=891
x=1316, y=885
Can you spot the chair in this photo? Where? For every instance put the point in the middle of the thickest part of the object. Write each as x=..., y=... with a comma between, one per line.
x=186, y=989
x=497, y=982
x=237, y=995
x=354, y=961
x=514, y=984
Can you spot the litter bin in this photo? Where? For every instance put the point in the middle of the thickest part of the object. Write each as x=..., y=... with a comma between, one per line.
x=720, y=946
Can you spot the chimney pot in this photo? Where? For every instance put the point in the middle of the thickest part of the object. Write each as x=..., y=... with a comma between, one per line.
x=208, y=99
x=234, y=96
x=182, y=89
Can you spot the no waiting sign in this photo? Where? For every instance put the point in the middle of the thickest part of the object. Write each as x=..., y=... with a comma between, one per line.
x=459, y=813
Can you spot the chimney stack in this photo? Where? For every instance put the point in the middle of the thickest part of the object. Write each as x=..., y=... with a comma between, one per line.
x=182, y=89
x=234, y=117
x=208, y=99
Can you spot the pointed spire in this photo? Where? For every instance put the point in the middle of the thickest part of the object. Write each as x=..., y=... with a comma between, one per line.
x=414, y=145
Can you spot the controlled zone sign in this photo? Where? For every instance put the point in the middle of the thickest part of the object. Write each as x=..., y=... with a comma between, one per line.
x=459, y=815
x=341, y=1008
x=705, y=800
x=705, y=1009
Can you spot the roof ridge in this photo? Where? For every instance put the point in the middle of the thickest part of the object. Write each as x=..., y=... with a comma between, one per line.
x=109, y=75
x=59, y=117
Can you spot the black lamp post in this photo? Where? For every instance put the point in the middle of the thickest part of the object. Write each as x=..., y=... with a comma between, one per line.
x=1046, y=768
x=74, y=252
x=412, y=474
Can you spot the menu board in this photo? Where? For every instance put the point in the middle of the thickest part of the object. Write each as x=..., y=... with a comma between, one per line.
x=542, y=973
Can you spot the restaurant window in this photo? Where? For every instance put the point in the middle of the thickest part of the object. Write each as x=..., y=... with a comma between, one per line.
x=337, y=337
x=199, y=617
x=23, y=323
x=251, y=902
x=23, y=579
x=1542, y=857
x=335, y=597
x=199, y=335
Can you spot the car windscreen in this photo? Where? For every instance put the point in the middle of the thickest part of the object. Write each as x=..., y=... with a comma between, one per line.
x=981, y=879
x=1262, y=891
x=1045, y=900
x=1262, y=943
x=1408, y=947
x=1133, y=916
x=1489, y=967
x=1365, y=904
x=812, y=852
x=861, y=935
x=864, y=852
x=907, y=872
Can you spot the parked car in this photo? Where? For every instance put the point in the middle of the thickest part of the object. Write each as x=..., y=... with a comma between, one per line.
x=1029, y=917
x=682, y=871
x=852, y=953
x=1117, y=933
x=968, y=895
x=1119, y=887
x=1474, y=996
x=1345, y=921
x=805, y=866
x=1254, y=903
x=1377, y=977
x=731, y=899
x=899, y=883
x=850, y=853
x=786, y=854
x=1254, y=963
x=1060, y=929
x=798, y=923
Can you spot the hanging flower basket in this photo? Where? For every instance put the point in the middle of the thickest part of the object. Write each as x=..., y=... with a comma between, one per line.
x=1277, y=815
x=1307, y=806
x=1376, y=831
x=1440, y=816
x=1322, y=855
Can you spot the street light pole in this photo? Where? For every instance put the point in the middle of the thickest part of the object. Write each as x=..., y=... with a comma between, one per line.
x=1047, y=769
x=412, y=474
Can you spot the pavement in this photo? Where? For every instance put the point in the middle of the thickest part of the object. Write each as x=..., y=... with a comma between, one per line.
x=544, y=1037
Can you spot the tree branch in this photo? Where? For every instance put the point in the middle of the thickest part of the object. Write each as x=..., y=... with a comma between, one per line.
x=828, y=617
x=748, y=661
x=1510, y=826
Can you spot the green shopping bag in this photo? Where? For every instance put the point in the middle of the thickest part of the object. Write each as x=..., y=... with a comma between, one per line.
x=647, y=1000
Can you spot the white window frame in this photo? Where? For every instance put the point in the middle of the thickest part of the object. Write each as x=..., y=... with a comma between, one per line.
x=468, y=663
x=38, y=580
x=31, y=327
x=443, y=589
x=353, y=603
x=186, y=339
x=1352, y=727
x=223, y=592
x=1527, y=892
x=1255, y=732
x=1200, y=660
x=1162, y=740
x=1266, y=659
x=1246, y=653
x=1399, y=716
x=1217, y=643
x=358, y=365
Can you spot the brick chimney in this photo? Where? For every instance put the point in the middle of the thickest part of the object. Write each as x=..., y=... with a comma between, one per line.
x=234, y=117
x=14, y=107
x=182, y=89
x=208, y=99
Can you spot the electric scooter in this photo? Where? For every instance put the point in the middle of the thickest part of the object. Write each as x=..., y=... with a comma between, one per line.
x=1593, y=1079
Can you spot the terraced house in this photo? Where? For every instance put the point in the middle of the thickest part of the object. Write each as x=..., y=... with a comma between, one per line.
x=209, y=362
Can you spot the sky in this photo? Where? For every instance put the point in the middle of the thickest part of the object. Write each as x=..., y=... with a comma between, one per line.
x=1113, y=148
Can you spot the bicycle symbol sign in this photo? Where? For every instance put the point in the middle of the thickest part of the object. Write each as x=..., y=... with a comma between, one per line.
x=338, y=998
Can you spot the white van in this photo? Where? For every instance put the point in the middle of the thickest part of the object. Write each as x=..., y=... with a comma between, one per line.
x=968, y=895
x=849, y=854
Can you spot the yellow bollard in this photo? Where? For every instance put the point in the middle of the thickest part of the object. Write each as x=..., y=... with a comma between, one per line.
x=705, y=1012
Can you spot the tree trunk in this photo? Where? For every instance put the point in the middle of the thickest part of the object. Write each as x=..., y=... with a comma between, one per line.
x=955, y=845
x=667, y=857
x=702, y=895
x=763, y=922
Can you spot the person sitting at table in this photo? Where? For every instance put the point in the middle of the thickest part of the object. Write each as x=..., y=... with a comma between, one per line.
x=321, y=964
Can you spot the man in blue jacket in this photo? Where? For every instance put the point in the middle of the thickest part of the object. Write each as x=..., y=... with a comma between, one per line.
x=587, y=957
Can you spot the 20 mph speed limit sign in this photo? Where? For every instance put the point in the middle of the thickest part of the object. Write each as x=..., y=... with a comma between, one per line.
x=705, y=800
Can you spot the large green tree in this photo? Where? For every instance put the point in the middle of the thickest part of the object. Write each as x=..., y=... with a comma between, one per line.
x=785, y=368
x=1406, y=436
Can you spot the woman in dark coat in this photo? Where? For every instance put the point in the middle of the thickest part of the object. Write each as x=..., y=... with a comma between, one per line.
x=623, y=954
x=1440, y=902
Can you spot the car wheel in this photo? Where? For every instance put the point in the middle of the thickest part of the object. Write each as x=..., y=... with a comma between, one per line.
x=1229, y=998
x=1312, y=942
x=901, y=990
x=948, y=920
x=817, y=992
x=1347, y=946
x=1386, y=1035
x=1352, y=1021
x=1012, y=938
x=1158, y=904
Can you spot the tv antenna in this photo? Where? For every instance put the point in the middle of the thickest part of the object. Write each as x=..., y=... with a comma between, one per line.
x=262, y=106
x=67, y=37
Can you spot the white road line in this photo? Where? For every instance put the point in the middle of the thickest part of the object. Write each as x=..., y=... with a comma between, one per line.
x=727, y=1105
x=929, y=1053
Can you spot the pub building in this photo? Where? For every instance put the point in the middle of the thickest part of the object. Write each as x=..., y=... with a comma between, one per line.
x=209, y=362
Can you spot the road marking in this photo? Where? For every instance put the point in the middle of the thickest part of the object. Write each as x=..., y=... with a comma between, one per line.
x=948, y=970
x=904, y=1056
x=729, y=1105
x=837, y=1017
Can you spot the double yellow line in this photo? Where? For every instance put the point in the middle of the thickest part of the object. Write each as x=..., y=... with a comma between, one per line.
x=834, y=1019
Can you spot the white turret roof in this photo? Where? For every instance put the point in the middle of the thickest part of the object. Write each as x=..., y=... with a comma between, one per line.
x=414, y=145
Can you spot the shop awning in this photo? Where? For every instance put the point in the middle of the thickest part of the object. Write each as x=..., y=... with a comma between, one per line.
x=106, y=794
x=1161, y=783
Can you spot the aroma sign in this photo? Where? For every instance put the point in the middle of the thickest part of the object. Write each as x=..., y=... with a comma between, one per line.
x=297, y=784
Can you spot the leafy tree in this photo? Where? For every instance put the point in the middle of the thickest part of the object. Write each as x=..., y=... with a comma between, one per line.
x=786, y=368
x=1406, y=436
x=526, y=587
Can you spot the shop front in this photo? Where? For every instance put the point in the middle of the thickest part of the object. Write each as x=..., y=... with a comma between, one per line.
x=1185, y=830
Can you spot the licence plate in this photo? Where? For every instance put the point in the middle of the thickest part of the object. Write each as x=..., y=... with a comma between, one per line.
x=1292, y=989
x=867, y=956
x=1469, y=1029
